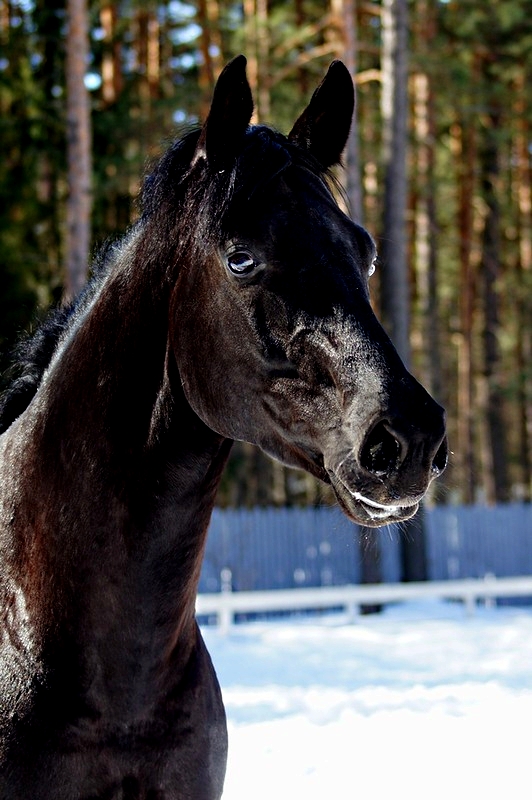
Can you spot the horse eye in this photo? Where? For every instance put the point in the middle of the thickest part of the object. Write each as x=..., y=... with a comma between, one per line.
x=241, y=262
x=373, y=266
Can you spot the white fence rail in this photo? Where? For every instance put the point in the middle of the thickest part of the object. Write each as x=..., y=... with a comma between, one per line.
x=226, y=604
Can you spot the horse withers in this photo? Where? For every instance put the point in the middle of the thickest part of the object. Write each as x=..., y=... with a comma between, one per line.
x=236, y=308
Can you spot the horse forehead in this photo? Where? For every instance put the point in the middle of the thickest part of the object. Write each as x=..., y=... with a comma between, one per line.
x=303, y=207
x=304, y=191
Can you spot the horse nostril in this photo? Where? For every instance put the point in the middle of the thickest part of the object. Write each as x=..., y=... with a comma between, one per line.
x=440, y=459
x=381, y=451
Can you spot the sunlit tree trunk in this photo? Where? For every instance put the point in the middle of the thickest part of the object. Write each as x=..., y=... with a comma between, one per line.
x=352, y=155
x=424, y=216
x=395, y=287
x=5, y=17
x=431, y=314
x=522, y=190
x=78, y=210
x=257, y=39
x=342, y=35
x=208, y=16
x=464, y=150
x=111, y=62
x=148, y=60
x=263, y=55
x=301, y=72
x=370, y=563
x=344, y=13
x=395, y=297
x=251, y=50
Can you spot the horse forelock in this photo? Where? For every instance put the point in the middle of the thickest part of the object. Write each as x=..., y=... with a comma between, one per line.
x=182, y=191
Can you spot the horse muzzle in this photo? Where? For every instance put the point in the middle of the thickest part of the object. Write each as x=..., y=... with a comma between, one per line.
x=366, y=511
x=385, y=480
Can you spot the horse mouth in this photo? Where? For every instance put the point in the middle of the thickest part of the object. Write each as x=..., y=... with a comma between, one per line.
x=365, y=511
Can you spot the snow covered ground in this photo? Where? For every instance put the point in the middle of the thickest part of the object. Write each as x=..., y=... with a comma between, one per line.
x=421, y=703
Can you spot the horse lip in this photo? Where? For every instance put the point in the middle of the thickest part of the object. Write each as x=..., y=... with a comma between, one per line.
x=365, y=511
x=381, y=513
x=367, y=502
x=385, y=515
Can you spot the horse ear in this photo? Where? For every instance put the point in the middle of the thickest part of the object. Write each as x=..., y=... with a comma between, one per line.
x=229, y=117
x=324, y=125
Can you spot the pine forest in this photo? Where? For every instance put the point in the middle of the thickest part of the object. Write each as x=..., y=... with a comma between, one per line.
x=438, y=169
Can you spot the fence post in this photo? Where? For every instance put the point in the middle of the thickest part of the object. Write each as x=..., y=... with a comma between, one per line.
x=470, y=602
x=489, y=601
x=225, y=617
x=353, y=612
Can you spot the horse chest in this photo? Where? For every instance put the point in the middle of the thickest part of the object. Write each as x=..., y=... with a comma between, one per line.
x=176, y=752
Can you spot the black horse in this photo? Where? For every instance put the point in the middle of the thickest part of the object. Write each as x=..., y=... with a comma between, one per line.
x=237, y=308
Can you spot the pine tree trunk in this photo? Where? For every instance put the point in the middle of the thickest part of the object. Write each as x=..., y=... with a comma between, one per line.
x=395, y=299
x=370, y=564
x=522, y=189
x=208, y=17
x=263, y=61
x=465, y=150
x=490, y=276
x=111, y=61
x=425, y=224
x=148, y=61
x=302, y=76
x=78, y=209
x=342, y=33
x=257, y=38
x=352, y=155
x=424, y=234
x=395, y=290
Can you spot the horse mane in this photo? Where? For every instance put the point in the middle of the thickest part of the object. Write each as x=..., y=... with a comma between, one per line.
x=173, y=193
x=34, y=351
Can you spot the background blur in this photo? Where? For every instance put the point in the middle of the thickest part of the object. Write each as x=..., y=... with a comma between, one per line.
x=438, y=169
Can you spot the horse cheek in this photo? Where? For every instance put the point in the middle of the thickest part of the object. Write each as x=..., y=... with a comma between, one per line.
x=218, y=387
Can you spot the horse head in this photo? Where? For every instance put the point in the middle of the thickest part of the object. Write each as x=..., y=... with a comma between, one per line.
x=277, y=343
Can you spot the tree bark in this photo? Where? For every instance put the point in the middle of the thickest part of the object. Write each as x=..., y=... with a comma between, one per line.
x=370, y=564
x=301, y=72
x=208, y=16
x=425, y=223
x=522, y=189
x=395, y=298
x=257, y=38
x=352, y=155
x=263, y=55
x=490, y=276
x=465, y=151
x=78, y=211
x=395, y=288
x=111, y=61
x=342, y=33
x=423, y=234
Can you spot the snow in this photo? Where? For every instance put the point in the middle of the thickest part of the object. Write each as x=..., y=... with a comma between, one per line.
x=421, y=702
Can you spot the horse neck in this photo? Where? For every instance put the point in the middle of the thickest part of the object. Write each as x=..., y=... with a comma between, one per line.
x=115, y=479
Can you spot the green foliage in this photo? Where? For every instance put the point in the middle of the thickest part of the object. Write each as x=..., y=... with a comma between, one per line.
x=32, y=137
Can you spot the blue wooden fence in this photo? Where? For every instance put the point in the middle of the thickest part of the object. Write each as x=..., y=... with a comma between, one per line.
x=296, y=547
x=473, y=541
